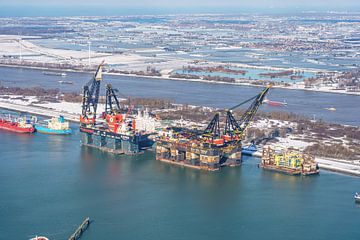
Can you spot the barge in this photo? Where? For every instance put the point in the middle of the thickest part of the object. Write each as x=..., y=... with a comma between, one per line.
x=288, y=161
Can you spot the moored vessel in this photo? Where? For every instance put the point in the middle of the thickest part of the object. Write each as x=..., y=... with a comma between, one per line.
x=19, y=125
x=56, y=125
x=289, y=161
x=120, y=131
x=249, y=150
x=211, y=148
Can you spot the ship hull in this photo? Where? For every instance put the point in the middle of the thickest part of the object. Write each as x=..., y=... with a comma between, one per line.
x=288, y=171
x=45, y=130
x=114, y=142
x=209, y=158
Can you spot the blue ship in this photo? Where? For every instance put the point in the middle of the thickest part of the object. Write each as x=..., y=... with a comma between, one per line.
x=249, y=150
x=56, y=126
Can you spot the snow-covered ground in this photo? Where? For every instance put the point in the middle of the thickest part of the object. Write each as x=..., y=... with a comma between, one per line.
x=289, y=142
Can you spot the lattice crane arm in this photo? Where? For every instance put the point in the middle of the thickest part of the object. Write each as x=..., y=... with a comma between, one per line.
x=91, y=97
x=234, y=127
x=112, y=105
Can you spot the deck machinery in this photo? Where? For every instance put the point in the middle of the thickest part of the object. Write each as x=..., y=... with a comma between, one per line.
x=117, y=132
x=212, y=148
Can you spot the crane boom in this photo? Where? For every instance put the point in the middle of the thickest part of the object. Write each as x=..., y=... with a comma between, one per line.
x=213, y=129
x=234, y=129
x=253, y=108
x=112, y=105
x=91, y=97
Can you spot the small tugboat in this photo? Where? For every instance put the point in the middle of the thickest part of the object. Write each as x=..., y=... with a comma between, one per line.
x=357, y=198
x=39, y=238
x=19, y=125
x=249, y=150
x=56, y=125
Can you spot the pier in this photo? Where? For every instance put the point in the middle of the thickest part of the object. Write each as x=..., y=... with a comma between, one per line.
x=80, y=230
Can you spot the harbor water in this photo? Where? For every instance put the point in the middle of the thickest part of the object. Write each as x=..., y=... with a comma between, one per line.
x=311, y=104
x=49, y=184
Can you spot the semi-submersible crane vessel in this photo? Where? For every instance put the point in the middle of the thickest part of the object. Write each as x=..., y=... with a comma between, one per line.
x=211, y=148
x=117, y=133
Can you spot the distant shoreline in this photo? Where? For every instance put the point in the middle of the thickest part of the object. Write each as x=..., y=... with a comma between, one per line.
x=167, y=77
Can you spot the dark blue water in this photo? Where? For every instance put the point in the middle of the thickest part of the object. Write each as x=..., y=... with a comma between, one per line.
x=50, y=183
x=215, y=95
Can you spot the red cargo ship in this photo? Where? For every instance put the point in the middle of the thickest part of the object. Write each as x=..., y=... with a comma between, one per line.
x=19, y=125
x=274, y=103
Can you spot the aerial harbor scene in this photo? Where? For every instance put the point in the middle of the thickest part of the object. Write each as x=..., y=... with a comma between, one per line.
x=163, y=120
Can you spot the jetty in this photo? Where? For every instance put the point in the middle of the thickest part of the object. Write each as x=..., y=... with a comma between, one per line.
x=80, y=230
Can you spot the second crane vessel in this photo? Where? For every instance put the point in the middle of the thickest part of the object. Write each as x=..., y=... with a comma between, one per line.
x=211, y=148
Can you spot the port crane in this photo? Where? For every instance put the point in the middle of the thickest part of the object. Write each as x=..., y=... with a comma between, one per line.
x=91, y=98
x=234, y=129
x=115, y=115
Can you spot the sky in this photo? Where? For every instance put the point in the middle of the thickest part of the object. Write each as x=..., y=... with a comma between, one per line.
x=184, y=3
x=114, y=7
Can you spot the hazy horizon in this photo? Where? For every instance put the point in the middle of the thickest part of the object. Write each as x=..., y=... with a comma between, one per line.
x=21, y=8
